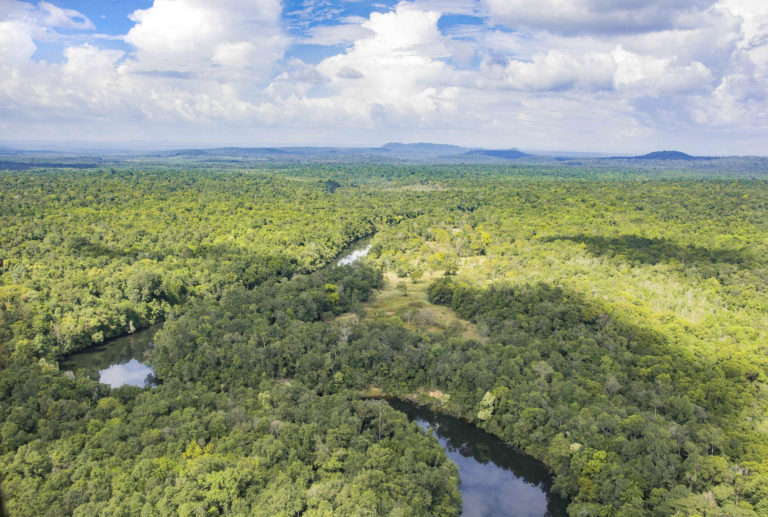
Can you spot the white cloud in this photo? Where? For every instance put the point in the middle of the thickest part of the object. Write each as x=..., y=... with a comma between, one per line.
x=647, y=75
x=65, y=18
x=294, y=82
x=16, y=44
x=349, y=73
x=578, y=74
x=192, y=62
x=597, y=16
x=338, y=34
x=555, y=70
x=240, y=54
x=754, y=29
x=395, y=72
x=198, y=35
x=684, y=64
x=38, y=22
x=754, y=14
x=617, y=70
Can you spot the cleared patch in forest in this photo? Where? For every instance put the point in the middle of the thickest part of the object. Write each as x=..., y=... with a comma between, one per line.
x=413, y=307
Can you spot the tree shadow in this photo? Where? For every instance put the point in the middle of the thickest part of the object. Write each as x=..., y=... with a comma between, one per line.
x=637, y=250
x=575, y=332
x=560, y=362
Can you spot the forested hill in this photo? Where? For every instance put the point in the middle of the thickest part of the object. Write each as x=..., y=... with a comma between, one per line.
x=663, y=156
x=610, y=323
x=391, y=154
x=670, y=155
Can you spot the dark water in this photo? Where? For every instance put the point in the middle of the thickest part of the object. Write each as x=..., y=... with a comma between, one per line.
x=496, y=480
x=118, y=361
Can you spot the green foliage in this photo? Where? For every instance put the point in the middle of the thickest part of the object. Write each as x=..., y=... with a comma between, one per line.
x=85, y=256
x=620, y=337
x=185, y=449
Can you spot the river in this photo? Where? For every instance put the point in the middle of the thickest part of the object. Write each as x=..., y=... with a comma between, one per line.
x=495, y=479
x=118, y=361
x=122, y=360
x=354, y=252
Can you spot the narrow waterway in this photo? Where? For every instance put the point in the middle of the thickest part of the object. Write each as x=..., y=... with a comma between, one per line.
x=117, y=361
x=354, y=252
x=495, y=479
x=122, y=360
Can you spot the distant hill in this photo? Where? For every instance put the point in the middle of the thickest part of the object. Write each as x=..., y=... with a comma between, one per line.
x=39, y=164
x=393, y=151
x=242, y=152
x=387, y=152
x=423, y=147
x=507, y=154
x=669, y=155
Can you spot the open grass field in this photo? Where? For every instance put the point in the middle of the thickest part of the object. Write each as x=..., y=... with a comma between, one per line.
x=414, y=309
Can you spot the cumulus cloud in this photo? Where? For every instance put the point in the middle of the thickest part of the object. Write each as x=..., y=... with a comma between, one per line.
x=16, y=43
x=22, y=23
x=188, y=62
x=395, y=72
x=753, y=40
x=687, y=64
x=537, y=74
x=618, y=71
x=554, y=70
x=349, y=73
x=201, y=35
x=293, y=83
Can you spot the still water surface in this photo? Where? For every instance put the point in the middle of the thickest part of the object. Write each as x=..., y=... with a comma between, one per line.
x=118, y=361
x=354, y=252
x=496, y=480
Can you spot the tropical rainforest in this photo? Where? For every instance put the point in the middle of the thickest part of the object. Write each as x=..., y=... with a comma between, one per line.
x=612, y=323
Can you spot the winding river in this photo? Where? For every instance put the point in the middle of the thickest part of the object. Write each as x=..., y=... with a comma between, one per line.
x=496, y=480
x=122, y=360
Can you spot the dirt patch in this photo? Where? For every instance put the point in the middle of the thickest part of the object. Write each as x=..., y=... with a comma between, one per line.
x=436, y=394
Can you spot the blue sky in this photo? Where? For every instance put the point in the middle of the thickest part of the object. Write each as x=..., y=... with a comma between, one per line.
x=583, y=75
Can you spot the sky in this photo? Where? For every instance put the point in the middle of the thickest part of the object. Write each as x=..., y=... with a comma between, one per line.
x=570, y=75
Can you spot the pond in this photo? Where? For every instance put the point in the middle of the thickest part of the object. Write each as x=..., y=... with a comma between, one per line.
x=354, y=252
x=118, y=361
x=495, y=479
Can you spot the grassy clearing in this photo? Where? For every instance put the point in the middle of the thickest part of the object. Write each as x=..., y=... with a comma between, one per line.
x=414, y=309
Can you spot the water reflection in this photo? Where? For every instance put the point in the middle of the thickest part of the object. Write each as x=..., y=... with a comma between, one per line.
x=496, y=480
x=118, y=361
x=356, y=251
x=133, y=373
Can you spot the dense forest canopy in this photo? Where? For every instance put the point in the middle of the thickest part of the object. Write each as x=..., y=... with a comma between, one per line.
x=610, y=322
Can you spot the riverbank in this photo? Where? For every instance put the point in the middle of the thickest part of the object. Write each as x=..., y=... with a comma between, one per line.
x=496, y=480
